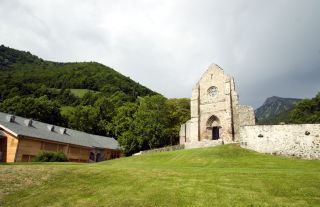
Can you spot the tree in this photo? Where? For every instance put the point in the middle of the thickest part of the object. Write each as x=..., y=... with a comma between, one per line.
x=142, y=125
x=306, y=111
x=123, y=120
x=84, y=118
x=129, y=141
x=123, y=128
x=41, y=109
x=106, y=110
x=89, y=98
x=151, y=122
x=178, y=114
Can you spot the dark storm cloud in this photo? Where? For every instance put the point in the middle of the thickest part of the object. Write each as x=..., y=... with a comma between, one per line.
x=270, y=47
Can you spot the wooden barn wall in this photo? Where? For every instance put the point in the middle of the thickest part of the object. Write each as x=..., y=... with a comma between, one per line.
x=29, y=148
x=12, y=144
x=26, y=148
x=111, y=154
x=77, y=154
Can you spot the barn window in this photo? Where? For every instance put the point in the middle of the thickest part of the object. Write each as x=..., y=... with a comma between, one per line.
x=27, y=158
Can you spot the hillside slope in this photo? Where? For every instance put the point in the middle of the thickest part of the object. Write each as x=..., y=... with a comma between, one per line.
x=27, y=72
x=220, y=176
x=273, y=106
x=89, y=97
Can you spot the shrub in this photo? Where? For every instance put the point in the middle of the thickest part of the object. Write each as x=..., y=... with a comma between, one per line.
x=45, y=156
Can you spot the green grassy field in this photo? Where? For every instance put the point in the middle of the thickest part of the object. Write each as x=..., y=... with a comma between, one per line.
x=78, y=91
x=221, y=176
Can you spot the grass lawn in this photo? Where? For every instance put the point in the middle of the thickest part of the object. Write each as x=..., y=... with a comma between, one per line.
x=220, y=176
x=80, y=92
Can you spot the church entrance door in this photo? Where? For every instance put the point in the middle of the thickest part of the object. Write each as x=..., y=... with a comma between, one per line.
x=215, y=133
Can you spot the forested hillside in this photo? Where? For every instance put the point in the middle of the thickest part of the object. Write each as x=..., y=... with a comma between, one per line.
x=22, y=73
x=91, y=97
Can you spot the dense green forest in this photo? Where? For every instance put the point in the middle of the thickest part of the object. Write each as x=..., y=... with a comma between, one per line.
x=305, y=111
x=91, y=97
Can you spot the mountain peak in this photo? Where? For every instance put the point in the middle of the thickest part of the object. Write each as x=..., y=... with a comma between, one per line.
x=272, y=99
x=273, y=106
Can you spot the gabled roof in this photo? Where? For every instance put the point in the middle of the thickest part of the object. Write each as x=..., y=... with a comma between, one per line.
x=22, y=127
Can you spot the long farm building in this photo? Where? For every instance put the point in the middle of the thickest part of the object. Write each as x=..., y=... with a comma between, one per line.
x=21, y=139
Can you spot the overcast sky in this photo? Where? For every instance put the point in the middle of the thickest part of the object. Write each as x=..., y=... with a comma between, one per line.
x=270, y=47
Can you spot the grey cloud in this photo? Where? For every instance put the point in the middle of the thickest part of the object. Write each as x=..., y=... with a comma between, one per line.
x=270, y=47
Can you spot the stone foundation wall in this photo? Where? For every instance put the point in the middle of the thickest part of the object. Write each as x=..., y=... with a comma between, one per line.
x=163, y=149
x=202, y=144
x=299, y=140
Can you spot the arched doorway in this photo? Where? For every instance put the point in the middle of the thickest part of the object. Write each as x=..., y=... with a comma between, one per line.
x=213, y=128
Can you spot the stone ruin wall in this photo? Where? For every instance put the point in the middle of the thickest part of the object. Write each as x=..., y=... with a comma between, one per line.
x=243, y=116
x=299, y=140
x=183, y=133
x=246, y=116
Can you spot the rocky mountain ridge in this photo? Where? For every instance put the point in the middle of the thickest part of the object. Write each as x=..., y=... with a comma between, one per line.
x=273, y=106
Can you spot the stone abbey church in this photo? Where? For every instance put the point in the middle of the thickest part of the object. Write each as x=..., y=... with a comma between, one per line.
x=218, y=118
x=215, y=110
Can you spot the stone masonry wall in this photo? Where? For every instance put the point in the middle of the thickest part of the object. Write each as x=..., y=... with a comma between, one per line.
x=299, y=140
x=182, y=134
x=246, y=115
x=163, y=149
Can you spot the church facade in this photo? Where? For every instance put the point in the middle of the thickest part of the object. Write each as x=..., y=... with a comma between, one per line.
x=215, y=110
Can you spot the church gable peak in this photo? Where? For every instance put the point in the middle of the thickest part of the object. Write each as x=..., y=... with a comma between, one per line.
x=213, y=70
x=215, y=66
